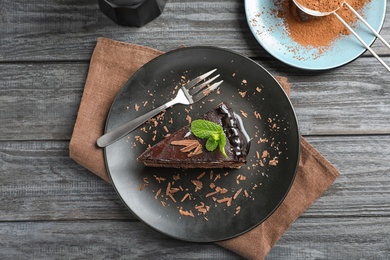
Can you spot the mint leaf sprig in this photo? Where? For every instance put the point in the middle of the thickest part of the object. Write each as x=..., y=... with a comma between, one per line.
x=213, y=132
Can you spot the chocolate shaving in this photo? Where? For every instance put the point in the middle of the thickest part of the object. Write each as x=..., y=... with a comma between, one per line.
x=237, y=193
x=202, y=208
x=186, y=213
x=185, y=197
x=200, y=175
x=157, y=193
x=172, y=198
x=193, y=147
x=198, y=185
x=228, y=201
x=211, y=194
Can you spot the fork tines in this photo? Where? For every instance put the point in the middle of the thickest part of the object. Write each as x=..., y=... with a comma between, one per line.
x=199, y=91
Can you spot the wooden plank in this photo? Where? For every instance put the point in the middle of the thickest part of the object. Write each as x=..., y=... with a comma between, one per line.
x=48, y=30
x=349, y=100
x=52, y=30
x=97, y=240
x=44, y=184
x=40, y=101
x=335, y=238
x=363, y=165
x=326, y=238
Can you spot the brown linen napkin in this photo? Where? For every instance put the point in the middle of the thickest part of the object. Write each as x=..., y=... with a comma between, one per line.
x=112, y=63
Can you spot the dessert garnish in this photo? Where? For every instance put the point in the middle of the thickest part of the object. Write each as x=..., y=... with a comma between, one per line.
x=213, y=132
x=192, y=147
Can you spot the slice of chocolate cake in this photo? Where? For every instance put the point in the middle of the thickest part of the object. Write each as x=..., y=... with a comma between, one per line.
x=183, y=149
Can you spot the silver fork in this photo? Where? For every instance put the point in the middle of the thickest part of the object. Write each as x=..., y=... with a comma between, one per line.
x=188, y=94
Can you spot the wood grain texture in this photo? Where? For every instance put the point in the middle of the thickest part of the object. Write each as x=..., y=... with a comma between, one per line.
x=97, y=240
x=335, y=238
x=44, y=184
x=67, y=30
x=40, y=101
x=326, y=238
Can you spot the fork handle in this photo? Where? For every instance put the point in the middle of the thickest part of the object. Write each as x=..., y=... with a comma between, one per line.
x=123, y=130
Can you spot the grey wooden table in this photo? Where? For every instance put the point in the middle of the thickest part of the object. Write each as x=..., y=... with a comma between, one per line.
x=52, y=208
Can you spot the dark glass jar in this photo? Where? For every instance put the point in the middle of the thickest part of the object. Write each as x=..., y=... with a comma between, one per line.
x=134, y=13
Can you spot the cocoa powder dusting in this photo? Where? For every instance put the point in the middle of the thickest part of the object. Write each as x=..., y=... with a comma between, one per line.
x=318, y=32
x=323, y=6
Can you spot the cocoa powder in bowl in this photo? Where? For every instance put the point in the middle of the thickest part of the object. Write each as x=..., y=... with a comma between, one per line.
x=323, y=6
x=317, y=32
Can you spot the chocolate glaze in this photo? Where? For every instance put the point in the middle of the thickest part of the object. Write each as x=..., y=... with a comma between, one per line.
x=235, y=131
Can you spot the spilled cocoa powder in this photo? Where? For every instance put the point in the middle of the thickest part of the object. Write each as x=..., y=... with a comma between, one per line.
x=318, y=32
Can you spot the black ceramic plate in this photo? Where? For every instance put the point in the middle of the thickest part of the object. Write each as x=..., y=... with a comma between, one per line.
x=258, y=187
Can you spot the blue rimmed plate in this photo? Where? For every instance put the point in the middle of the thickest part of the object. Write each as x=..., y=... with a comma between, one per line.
x=270, y=32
